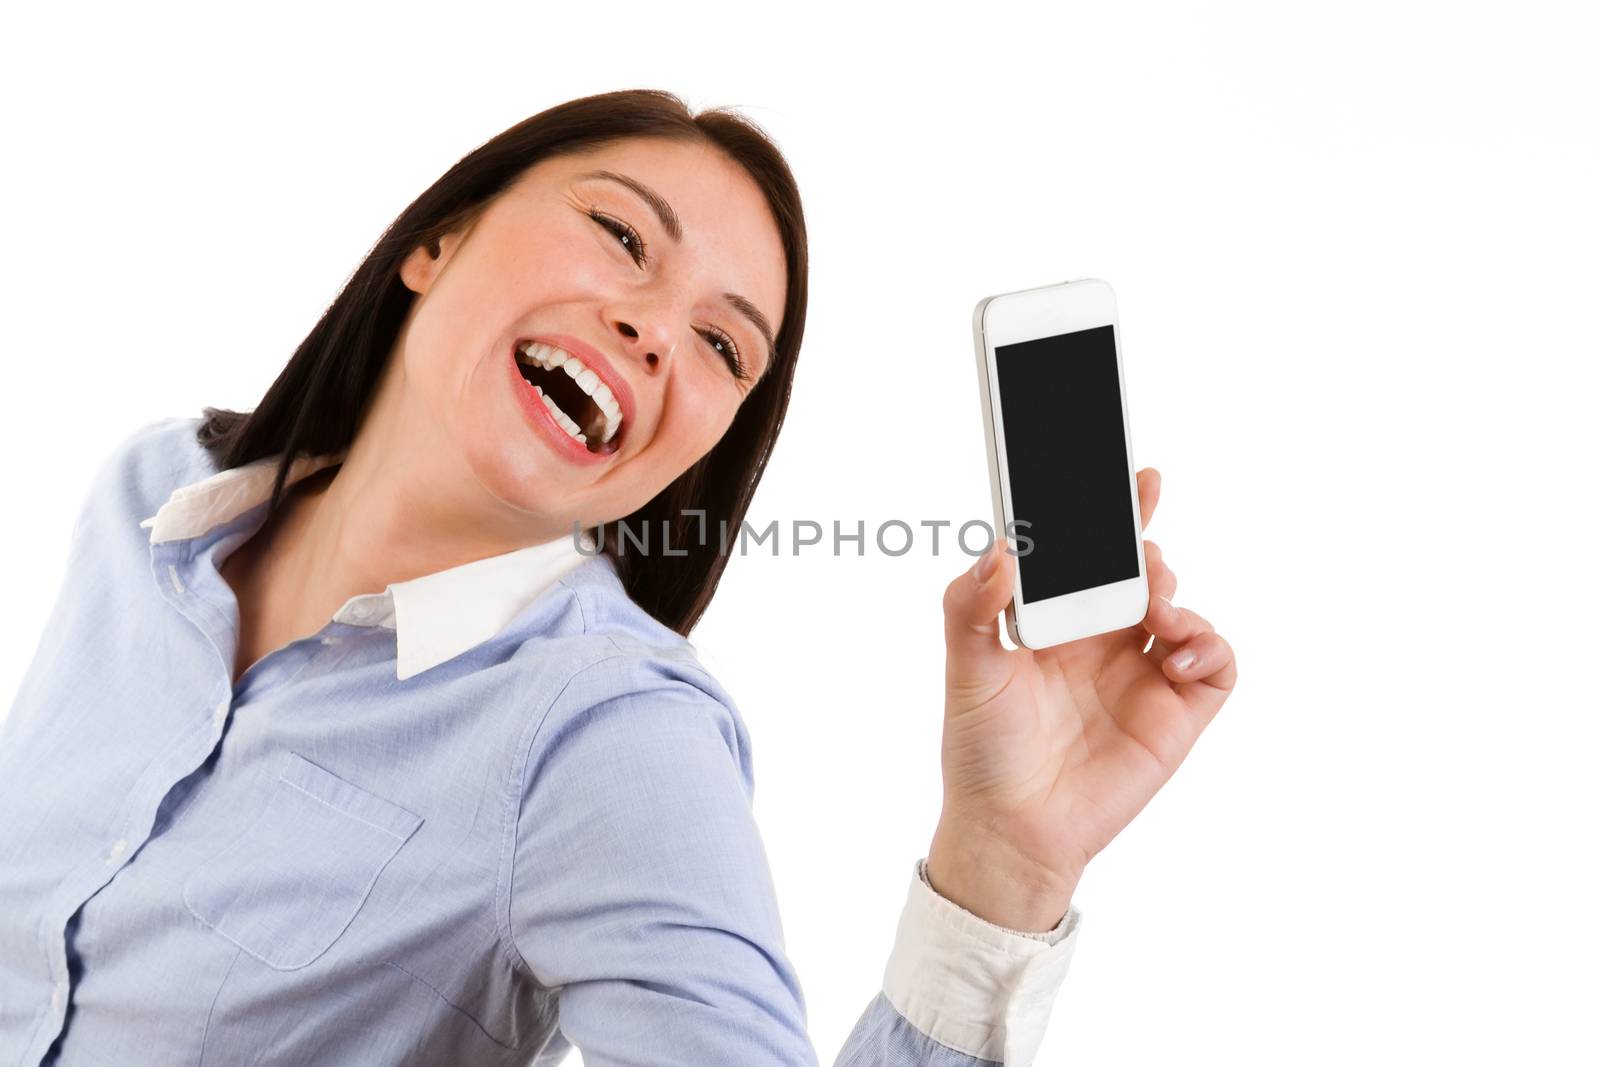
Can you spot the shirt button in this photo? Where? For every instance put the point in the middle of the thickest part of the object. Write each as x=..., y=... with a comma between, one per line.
x=58, y=994
x=220, y=714
x=117, y=849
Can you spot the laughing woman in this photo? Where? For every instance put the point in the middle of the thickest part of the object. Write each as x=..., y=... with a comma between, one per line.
x=339, y=748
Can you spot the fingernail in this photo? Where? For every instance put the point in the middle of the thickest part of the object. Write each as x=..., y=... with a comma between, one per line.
x=1182, y=661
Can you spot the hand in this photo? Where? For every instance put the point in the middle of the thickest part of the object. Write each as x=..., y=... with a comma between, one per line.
x=1048, y=754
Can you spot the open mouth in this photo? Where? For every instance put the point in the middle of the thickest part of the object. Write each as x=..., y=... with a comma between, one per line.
x=574, y=395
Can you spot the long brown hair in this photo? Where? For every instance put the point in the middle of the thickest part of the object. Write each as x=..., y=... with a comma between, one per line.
x=315, y=405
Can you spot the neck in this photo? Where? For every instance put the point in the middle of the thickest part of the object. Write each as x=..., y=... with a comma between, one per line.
x=403, y=504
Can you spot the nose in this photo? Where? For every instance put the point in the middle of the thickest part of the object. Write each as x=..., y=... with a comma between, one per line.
x=651, y=346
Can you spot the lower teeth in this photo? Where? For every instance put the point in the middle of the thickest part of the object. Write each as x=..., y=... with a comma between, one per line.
x=562, y=418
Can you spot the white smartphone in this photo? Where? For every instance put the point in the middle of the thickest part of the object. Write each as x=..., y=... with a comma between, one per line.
x=1055, y=419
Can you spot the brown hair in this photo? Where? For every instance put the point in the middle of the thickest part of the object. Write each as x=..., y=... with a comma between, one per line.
x=315, y=405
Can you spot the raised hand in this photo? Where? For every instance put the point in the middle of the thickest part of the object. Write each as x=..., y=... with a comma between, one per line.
x=1048, y=754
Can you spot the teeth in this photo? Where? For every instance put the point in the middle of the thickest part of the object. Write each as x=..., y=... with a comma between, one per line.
x=560, y=416
x=550, y=357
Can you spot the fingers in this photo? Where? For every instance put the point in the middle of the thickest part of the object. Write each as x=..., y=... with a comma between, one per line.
x=1187, y=646
x=1204, y=658
x=1149, y=482
x=1172, y=625
x=1163, y=582
x=973, y=601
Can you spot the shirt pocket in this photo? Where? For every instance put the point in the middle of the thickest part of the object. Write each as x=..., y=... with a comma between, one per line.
x=289, y=886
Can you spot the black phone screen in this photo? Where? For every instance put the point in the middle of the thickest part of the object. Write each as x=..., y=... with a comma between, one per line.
x=1068, y=457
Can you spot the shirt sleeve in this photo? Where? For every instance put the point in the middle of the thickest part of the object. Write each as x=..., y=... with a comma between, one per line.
x=640, y=891
x=973, y=986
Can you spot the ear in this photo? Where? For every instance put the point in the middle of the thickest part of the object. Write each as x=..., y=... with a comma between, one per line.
x=426, y=262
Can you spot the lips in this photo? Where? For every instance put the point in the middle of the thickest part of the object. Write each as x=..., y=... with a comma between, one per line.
x=544, y=424
x=574, y=395
x=595, y=361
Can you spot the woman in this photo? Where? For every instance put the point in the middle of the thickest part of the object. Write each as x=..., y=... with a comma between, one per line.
x=258, y=812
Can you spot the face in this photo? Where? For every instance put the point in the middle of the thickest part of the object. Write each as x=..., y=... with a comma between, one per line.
x=668, y=319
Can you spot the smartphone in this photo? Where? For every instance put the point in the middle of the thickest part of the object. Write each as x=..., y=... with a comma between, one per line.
x=1055, y=420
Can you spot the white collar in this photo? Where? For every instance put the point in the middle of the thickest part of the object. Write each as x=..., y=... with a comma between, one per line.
x=435, y=617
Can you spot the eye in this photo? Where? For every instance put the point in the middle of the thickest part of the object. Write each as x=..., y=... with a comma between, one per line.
x=626, y=235
x=723, y=345
x=630, y=240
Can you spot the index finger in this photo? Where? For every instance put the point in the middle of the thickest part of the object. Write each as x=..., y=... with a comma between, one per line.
x=1149, y=481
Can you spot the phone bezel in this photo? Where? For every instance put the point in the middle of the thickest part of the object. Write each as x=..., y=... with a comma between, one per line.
x=1026, y=315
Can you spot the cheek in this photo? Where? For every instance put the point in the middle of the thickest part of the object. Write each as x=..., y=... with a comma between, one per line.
x=560, y=263
x=698, y=413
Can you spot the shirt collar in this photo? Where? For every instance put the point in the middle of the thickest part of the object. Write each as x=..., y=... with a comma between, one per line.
x=436, y=617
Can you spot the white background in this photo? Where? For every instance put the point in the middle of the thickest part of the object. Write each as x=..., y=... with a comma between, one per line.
x=1355, y=250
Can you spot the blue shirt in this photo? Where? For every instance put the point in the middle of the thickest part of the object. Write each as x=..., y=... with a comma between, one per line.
x=470, y=820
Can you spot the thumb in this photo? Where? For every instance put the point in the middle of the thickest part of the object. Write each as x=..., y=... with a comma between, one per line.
x=975, y=661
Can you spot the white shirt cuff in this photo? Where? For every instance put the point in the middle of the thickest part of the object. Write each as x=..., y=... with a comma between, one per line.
x=978, y=988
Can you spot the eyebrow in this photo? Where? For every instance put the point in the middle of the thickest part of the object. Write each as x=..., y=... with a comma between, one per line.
x=674, y=227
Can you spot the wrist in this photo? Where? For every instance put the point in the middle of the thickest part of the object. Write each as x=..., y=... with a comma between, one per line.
x=987, y=876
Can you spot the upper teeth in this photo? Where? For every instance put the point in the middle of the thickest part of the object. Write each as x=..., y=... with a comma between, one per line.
x=549, y=357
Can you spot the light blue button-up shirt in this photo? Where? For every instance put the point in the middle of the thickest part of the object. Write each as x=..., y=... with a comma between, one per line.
x=480, y=818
